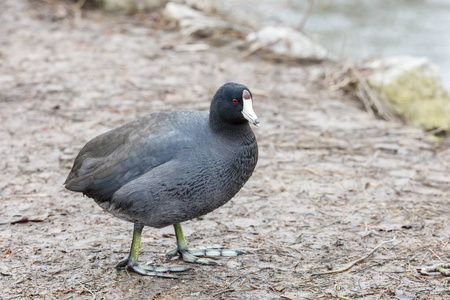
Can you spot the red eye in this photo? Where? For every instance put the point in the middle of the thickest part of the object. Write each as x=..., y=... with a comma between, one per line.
x=235, y=101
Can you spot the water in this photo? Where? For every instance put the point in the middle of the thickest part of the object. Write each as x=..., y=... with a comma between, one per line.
x=360, y=29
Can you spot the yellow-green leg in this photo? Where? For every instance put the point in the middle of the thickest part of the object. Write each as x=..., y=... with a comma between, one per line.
x=132, y=265
x=197, y=255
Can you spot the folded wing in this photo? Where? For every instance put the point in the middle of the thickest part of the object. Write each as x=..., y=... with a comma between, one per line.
x=117, y=157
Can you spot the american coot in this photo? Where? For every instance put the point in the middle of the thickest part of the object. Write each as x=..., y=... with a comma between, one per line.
x=170, y=167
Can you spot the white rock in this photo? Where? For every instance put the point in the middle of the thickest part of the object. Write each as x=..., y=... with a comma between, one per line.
x=389, y=69
x=411, y=87
x=192, y=21
x=177, y=12
x=286, y=42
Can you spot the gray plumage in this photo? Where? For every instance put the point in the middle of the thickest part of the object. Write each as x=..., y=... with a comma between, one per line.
x=170, y=167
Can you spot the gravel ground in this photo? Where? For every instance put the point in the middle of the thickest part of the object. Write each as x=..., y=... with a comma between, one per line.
x=331, y=184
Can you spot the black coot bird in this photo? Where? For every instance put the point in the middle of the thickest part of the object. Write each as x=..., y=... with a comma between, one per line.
x=170, y=167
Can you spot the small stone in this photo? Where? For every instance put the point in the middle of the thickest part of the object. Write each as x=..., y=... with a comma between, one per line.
x=286, y=43
x=233, y=264
x=279, y=287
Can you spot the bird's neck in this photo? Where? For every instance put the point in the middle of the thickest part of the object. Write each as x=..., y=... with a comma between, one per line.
x=234, y=131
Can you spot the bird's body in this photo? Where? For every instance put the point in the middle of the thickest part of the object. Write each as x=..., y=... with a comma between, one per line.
x=167, y=178
x=170, y=167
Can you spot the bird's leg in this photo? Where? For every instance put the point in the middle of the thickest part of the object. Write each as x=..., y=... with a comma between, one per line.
x=196, y=255
x=131, y=263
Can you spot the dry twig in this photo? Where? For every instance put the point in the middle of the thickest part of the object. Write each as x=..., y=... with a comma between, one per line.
x=367, y=95
x=434, y=253
x=92, y=293
x=348, y=266
x=372, y=101
x=222, y=292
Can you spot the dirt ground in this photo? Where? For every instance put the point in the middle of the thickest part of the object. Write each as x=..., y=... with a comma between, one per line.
x=331, y=184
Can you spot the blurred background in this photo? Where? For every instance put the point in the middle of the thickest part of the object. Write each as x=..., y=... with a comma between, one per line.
x=360, y=29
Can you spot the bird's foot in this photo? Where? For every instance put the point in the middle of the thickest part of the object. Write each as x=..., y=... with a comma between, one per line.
x=199, y=255
x=145, y=269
